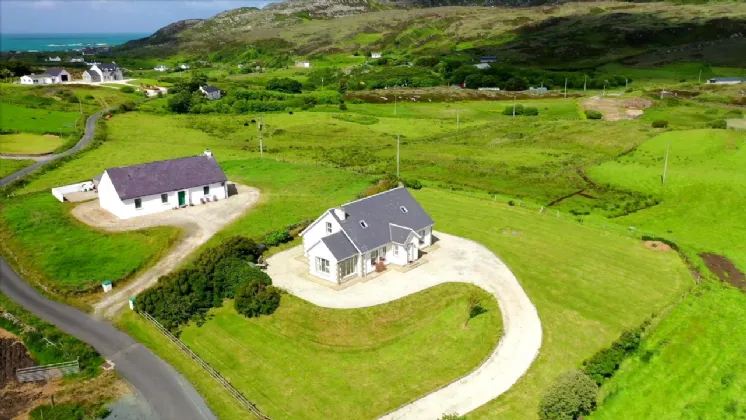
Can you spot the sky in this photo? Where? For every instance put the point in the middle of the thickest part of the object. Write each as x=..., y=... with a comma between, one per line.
x=107, y=16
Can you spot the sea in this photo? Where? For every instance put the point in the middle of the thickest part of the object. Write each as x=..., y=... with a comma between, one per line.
x=62, y=42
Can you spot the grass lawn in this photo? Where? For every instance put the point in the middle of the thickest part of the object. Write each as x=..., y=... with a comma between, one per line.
x=9, y=166
x=149, y=82
x=308, y=362
x=35, y=120
x=68, y=256
x=29, y=144
x=690, y=366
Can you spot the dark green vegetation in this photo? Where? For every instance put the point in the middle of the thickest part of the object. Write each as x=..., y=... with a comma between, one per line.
x=573, y=395
x=68, y=411
x=58, y=251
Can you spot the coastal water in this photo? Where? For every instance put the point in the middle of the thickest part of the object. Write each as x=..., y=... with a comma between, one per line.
x=62, y=42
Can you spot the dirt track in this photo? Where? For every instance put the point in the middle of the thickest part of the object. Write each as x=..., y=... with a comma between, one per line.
x=618, y=109
x=199, y=223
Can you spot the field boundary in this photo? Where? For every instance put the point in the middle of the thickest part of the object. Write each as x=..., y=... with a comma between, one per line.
x=253, y=409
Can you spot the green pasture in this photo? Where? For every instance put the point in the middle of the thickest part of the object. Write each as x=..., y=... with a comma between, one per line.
x=690, y=366
x=68, y=255
x=308, y=362
x=149, y=82
x=364, y=38
x=35, y=120
x=9, y=166
x=29, y=144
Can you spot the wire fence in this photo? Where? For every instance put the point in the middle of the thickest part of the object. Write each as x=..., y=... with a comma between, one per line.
x=209, y=369
x=41, y=373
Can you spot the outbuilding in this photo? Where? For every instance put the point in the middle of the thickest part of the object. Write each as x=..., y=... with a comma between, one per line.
x=210, y=92
x=137, y=190
x=49, y=77
x=726, y=81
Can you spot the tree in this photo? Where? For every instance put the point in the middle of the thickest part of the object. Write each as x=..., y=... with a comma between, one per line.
x=284, y=84
x=180, y=102
x=255, y=298
x=573, y=394
x=593, y=115
x=516, y=84
x=473, y=306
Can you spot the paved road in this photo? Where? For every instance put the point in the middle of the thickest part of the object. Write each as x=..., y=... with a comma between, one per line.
x=90, y=126
x=456, y=260
x=170, y=395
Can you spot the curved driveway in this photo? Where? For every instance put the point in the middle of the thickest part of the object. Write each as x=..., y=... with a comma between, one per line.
x=455, y=260
x=90, y=125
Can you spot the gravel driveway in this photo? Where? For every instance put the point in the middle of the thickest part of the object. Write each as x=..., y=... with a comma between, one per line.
x=455, y=260
x=200, y=223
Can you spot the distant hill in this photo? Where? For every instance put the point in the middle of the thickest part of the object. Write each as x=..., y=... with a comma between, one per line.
x=554, y=34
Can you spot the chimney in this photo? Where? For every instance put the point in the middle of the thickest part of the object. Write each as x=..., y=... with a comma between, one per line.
x=341, y=215
x=207, y=152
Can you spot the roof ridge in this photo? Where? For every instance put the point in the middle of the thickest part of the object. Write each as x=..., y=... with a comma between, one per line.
x=374, y=195
x=157, y=161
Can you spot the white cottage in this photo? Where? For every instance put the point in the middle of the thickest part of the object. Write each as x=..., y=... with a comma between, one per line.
x=104, y=72
x=351, y=240
x=136, y=190
x=210, y=92
x=49, y=77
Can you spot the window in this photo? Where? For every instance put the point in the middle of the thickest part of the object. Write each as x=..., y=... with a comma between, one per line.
x=403, y=209
x=206, y=189
x=138, y=203
x=347, y=267
x=322, y=265
x=328, y=227
x=396, y=249
x=164, y=198
x=363, y=224
x=373, y=257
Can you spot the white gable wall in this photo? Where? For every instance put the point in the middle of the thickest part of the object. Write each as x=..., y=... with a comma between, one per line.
x=318, y=230
x=321, y=251
x=108, y=198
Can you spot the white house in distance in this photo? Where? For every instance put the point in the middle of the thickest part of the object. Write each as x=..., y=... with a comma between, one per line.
x=49, y=77
x=136, y=190
x=375, y=55
x=161, y=68
x=349, y=241
x=303, y=64
x=725, y=81
x=210, y=92
x=54, y=59
x=104, y=72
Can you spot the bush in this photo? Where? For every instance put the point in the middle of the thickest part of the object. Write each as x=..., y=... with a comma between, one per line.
x=593, y=115
x=127, y=89
x=127, y=106
x=660, y=124
x=719, y=124
x=509, y=110
x=90, y=97
x=277, y=238
x=605, y=363
x=230, y=273
x=530, y=111
x=255, y=298
x=284, y=84
x=412, y=183
x=343, y=106
x=69, y=411
x=573, y=394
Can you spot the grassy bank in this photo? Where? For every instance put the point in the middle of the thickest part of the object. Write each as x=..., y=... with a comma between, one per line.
x=35, y=120
x=9, y=166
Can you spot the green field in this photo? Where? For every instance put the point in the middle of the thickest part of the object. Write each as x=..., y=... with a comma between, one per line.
x=149, y=82
x=29, y=144
x=9, y=166
x=308, y=362
x=67, y=255
x=35, y=120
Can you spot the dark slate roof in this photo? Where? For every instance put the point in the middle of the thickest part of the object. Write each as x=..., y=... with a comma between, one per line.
x=399, y=234
x=53, y=72
x=339, y=245
x=95, y=77
x=108, y=66
x=210, y=89
x=379, y=211
x=727, y=79
x=165, y=176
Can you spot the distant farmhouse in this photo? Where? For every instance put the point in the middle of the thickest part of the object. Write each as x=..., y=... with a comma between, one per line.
x=184, y=67
x=104, y=72
x=375, y=55
x=361, y=237
x=210, y=92
x=488, y=59
x=482, y=66
x=303, y=64
x=76, y=60
x=161, y=68
x=726, y=81
x=54, y=59
x=136, y=190
x=49, y=77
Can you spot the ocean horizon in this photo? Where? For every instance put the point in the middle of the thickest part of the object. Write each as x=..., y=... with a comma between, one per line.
x=39, y=42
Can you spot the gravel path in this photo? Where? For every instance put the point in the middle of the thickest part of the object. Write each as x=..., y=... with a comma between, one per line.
x=455, y=260
x=200, y=223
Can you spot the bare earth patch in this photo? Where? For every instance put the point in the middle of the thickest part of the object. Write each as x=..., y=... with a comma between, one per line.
x=724, y=269
x=618, y=109
x=199, y=223
x=52, y=136
x=657, y=246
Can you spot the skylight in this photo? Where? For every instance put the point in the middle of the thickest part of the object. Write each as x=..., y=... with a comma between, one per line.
x=403, y=209
x=363, y=224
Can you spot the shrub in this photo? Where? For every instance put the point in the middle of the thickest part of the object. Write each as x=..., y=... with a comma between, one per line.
x=605, y=363
x=230, y=273
x=593, y=115
x=255, y=298
x=509, y=110
x=90, y=97
x=284, y=84
x=343, y=106
x=127, y=106
x=573, y=394
x=660, y=124
x=277, y=238
x=719, y=124
x=530, y=111
x=412, y=183
x=127, y=89
x=69, y=411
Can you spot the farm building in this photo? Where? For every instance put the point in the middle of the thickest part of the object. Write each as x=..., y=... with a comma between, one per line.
x=726, y=81
x=54, y=59
x=104, y=72
x=375, y=55
x=49, y=77
x=482, y=66
x=161, y=67
x=136, y=190
x=362, y=236
x=210, y=92
x=488, y=59
x=303, y=64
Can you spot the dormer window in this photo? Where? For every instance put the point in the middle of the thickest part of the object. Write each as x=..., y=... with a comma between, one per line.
x=363, y=224
x=328, y=227
x=403, y=209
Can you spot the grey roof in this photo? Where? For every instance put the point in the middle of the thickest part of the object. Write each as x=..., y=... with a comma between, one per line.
x=339, y=245
x=165, y=176
x=95, y=77
x=399, y=234
x=727, y=79
x=54, y=72
x=379, y=211
x=210, y=89
x=108, y=66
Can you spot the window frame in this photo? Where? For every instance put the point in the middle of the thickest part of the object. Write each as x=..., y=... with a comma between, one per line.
x=138, y=203
x=349, y=265
x=328, y=227
x=322, y=265
x=206, y=190
x=166, y=199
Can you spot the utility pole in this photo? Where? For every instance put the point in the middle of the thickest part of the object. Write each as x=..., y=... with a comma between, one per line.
x=604, y=94
x=585, y=82
x=626, y=83
x=397, y=156
x=565, y=88
x=700, y=77
x=261, y=139
x=514, y=105
x=665, y=164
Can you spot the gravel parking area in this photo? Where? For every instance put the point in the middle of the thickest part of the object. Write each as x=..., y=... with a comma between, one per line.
x=455, y=260
x=200, y=223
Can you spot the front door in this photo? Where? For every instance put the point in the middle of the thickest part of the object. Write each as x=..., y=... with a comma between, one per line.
x=182, y=198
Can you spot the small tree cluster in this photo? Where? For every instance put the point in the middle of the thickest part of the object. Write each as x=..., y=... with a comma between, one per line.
x=277, y=238
x=255, y=298
x=719, y=124
x=660, y=124
x=573, y=394
x=605, y=363
x=284, y=84
x=521, y=110
x=593, y=115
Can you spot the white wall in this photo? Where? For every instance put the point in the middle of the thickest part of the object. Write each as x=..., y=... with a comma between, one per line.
x=108, y=198
x=216, y=190
x=26, y=80
x=59, y=192
x=322, y=251
x=318, y=231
